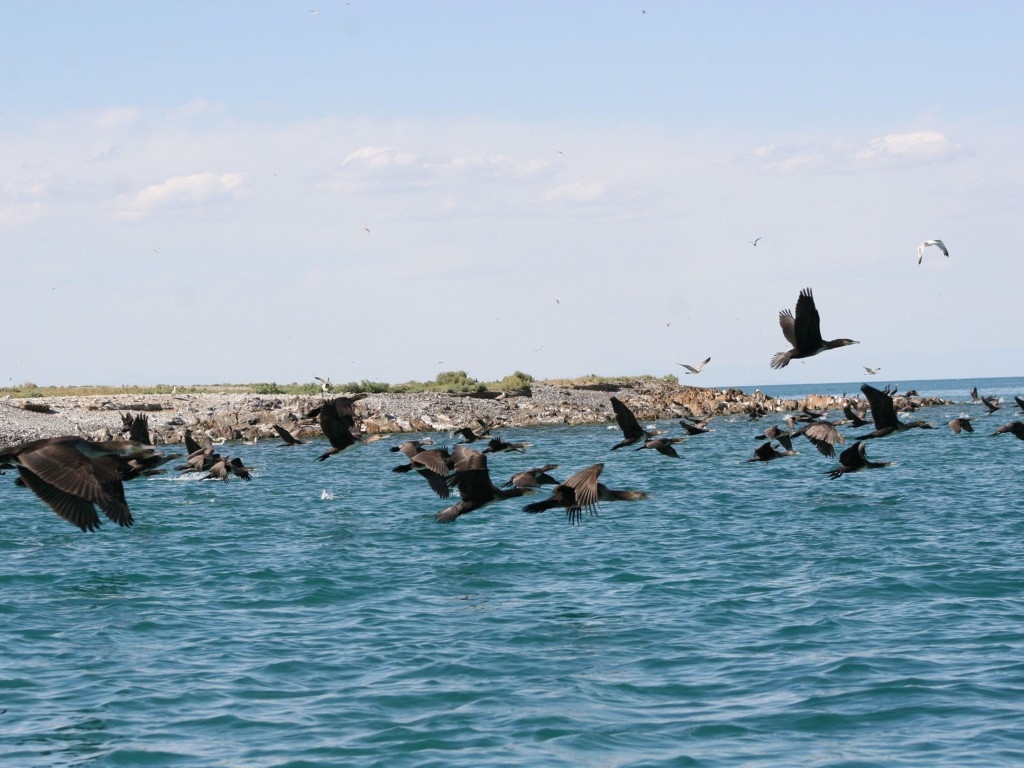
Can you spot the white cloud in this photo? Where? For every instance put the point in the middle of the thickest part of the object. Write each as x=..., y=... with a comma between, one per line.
x=116, y=118
x=916, y=145
x=182, y=192
x=576, y=192
x=842, y=156
x=380, y=158
x=197, y=107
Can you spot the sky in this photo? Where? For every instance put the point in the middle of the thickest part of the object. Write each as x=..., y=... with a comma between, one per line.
x=237, y=192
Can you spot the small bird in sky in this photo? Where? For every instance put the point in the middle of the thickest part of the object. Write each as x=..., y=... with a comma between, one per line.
x=937, y=243
x=754, y=241
x=871, y=371
x=695, y=368
x=804, y=332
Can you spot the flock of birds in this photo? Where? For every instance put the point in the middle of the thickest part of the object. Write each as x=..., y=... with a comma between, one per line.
x=74, y=476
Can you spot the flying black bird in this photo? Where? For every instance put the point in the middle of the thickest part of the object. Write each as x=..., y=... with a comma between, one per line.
x=474, y=483
x=338, y=422
x=288, y=437
x=768, y=452
x=73, y=476
x=854, y=459
x=663, y=445
x=532, y=478
x=803, y=332
x=883, y=414
x=580, y=493
x=632, y=432
x=991, y=403
x=1015, y=428
x=961, y=423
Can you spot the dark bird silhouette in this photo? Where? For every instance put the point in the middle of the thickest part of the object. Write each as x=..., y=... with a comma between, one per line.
x=974, y=393
x=532, y=478
x=856, y=418
x=854, y=459
x=803, y=332
x=338, y=423
x=883, y=414
x=696, y=427
x=497, y=445
x=632, y=432
x=469, y=436
x=771, y=433
x=474, y=483
x=580, y=493
x=434, y=466
x=288, y=437
x=823, y=435
x=961, y=423
x=1015, y=428
x=768, y=452
x=137, y=427
x=1020, y=403
x=663, y=445
x=990, y=403
x=225, y=467
x=73, y=476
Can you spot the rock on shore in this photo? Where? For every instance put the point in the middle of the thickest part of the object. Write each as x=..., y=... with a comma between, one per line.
x=250, y=417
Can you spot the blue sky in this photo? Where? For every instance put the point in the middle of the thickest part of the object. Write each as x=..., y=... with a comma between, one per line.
x=235, y=192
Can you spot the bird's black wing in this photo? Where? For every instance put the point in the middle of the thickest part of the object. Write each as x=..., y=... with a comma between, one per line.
x=883, y=412
x=626, y=420
x=808, y=323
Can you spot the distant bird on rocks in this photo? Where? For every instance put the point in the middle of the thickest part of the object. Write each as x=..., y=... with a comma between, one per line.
x=1015, y=428
x=961, y=423
x=937, y=243
x=803, y=332
x=883, y=414
x=632, y=432
x=695, y=368
x=73, y=476
x=473, y=480
x=854, y=459
x=325, y=385
x=580, y=493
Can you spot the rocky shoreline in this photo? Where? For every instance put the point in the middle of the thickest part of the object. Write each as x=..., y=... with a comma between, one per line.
x=249, y=417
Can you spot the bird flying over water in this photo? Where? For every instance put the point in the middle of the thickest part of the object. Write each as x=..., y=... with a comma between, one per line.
x=580, y=493
x=937, y=243
x=1015, y=428
x=632, y=432
x=695, y=368
x=73, y=476
x=854, y=459
x=961, y=424
x=473, y=480
x=338, y=423
x=883, y=414
x=803, y=332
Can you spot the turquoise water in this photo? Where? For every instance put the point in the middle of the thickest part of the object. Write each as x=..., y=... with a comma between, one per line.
x=747, y=614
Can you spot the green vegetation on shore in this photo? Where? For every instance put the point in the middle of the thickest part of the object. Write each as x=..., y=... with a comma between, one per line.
x=447, y=381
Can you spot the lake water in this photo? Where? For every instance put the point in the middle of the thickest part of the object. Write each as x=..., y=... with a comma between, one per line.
x=747, y=614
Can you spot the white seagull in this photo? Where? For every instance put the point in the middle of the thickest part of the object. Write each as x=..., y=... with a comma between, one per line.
x=871, y=371
x=695, y=368
x=921, y=246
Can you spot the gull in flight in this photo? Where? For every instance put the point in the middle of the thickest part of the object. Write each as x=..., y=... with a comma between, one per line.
x=754, y=241
x=695, y=368
x=871, y=371
x=938, y=243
